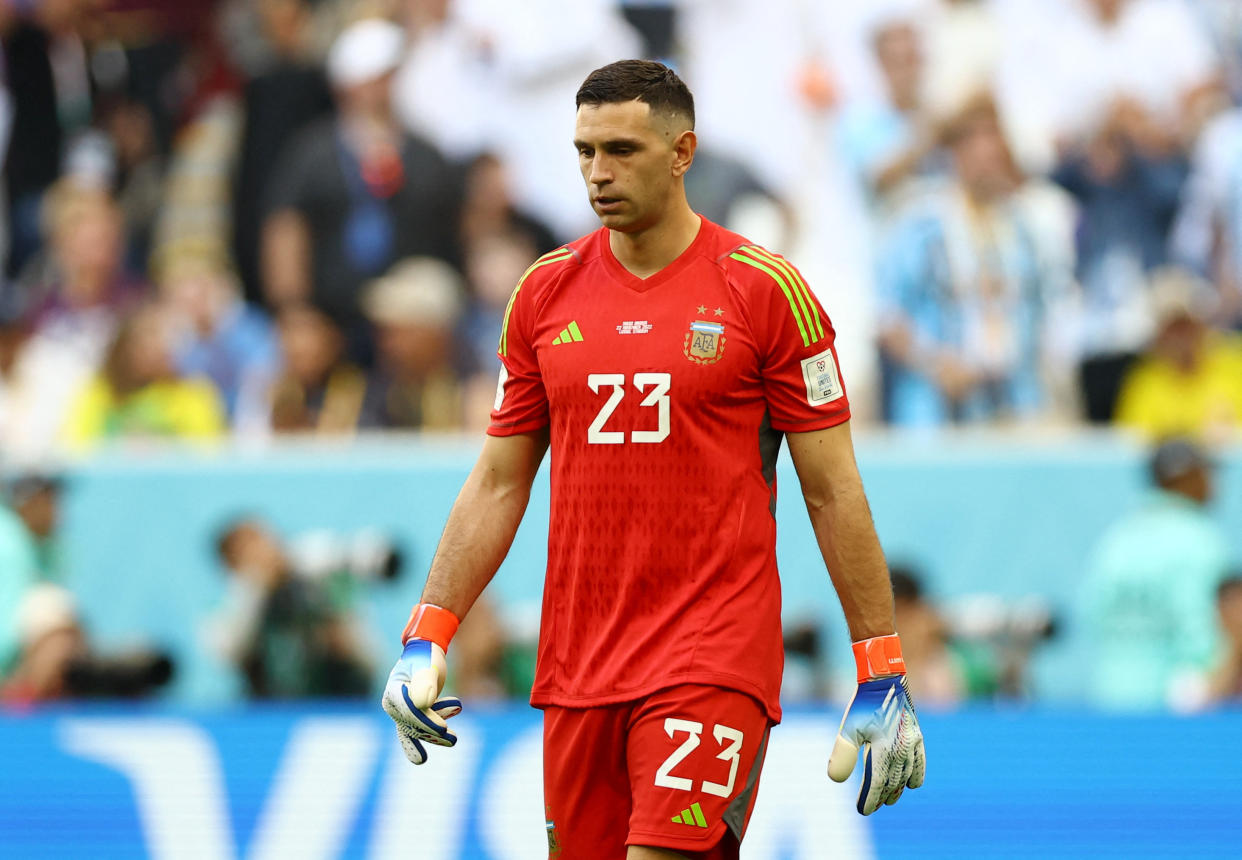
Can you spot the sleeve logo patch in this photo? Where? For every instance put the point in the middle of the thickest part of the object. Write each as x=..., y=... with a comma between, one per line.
x=823, y=382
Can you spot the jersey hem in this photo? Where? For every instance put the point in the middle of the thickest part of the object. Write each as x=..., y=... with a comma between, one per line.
x=541, y=698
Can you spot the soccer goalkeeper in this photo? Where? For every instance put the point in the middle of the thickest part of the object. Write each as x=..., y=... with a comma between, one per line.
x=663, y=359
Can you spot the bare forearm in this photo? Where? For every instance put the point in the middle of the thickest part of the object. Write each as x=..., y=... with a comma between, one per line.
x=480, y=528
x=843, y=528
x=846, y=536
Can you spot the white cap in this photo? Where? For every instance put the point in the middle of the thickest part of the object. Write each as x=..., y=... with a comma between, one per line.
x=44, y=609
x=366, y=50
x=1175, y=293
x=416, y=290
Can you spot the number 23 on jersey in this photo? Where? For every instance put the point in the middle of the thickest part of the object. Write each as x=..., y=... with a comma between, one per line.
x=652, y=387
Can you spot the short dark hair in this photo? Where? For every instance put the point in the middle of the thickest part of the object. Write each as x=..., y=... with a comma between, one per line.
x=652, y=83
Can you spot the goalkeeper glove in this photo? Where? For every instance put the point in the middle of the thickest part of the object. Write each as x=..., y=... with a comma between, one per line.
x=412, y=694
x=880, y=718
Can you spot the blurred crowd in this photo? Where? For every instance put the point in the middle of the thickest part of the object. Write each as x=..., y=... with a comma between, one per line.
x=261, y=217
x=255, y=218
x=1055, y=192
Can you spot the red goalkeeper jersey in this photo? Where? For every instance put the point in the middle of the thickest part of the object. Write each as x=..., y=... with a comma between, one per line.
x=666, y=399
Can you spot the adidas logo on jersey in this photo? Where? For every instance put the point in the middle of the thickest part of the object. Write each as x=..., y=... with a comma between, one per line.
x=692, y=816
x=634, y=327
x=570, y=334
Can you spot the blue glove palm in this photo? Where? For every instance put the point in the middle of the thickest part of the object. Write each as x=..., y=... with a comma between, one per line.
x=881, y=719
x=412, y=698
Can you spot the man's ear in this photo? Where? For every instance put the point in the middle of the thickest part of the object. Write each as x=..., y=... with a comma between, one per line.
x=683, y=152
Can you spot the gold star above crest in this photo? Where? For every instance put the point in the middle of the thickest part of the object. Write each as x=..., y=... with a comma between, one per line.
x=702, y=309
x=719, y=312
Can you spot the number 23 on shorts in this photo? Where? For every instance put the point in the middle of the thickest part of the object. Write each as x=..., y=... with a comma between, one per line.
x=730, y=742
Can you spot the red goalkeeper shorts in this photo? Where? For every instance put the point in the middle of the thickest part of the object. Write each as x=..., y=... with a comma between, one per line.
x=678, y=770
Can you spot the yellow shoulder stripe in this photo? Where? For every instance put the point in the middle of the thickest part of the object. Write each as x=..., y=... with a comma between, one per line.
x=563, y=253
x=797, y=294
x=800, y=287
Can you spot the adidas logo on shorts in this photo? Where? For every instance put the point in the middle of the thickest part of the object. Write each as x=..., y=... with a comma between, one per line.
x=692, y=816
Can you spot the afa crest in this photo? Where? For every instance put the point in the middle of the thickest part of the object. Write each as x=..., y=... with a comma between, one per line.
x=705, y=342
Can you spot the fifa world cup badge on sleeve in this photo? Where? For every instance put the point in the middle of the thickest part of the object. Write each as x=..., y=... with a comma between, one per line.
x=823, y=382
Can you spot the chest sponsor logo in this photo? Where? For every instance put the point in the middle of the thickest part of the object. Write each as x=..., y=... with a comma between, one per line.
x=705, y=342
x=823, y=381
x=634, y=327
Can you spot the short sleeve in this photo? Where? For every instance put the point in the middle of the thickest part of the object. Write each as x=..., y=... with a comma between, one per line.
x=521, y=402
x=801, y=373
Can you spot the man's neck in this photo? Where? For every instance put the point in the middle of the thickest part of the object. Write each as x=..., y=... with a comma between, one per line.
x=646, y=252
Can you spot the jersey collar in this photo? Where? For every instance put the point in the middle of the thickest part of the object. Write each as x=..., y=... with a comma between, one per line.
x=626, y=278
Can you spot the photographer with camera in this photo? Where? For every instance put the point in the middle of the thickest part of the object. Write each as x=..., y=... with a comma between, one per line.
x=286, y=626
x=56, y=661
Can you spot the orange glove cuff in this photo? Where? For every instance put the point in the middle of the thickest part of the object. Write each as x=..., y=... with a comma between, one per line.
x=879, y=656
x=433, y=623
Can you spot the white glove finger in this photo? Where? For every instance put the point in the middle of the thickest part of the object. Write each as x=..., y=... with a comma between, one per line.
x=384, y=703
x=413, y=750
x=426, y=721
x=898, y=784
x=871, y=792
x=446, y=740
x=394, y=704
x=844, y=757
x=430, y=727
x=398, y=705
x=447, y=706
x=919, y=767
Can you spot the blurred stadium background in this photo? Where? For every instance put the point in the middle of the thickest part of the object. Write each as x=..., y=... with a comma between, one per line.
x=255, y=254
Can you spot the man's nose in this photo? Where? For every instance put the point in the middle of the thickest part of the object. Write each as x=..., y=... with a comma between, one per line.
x=601, y=173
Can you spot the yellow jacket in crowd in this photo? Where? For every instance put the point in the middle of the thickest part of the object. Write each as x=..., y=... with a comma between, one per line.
x=185, y=409
x=1158, y=399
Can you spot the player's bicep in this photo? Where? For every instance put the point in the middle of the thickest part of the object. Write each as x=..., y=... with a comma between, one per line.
x=511, y=462
x=824, y=460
